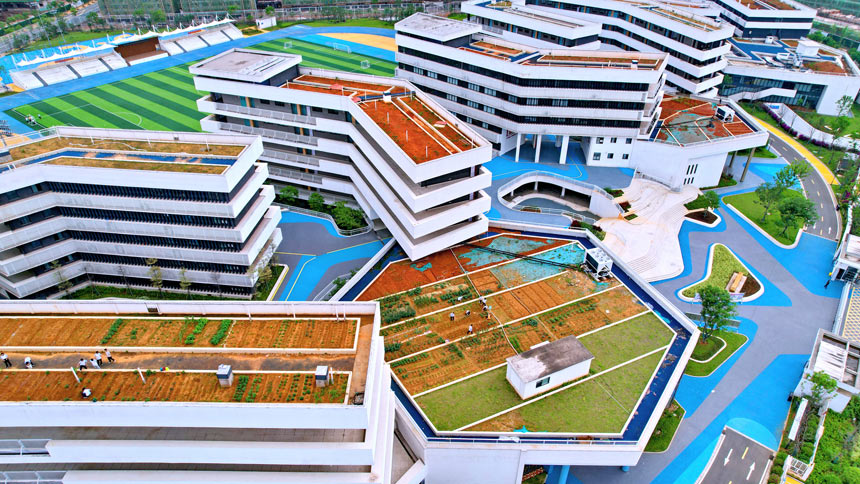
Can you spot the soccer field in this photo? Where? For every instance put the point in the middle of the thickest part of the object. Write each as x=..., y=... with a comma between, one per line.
x=166, y=99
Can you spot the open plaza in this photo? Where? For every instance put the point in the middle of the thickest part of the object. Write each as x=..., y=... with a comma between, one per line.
x=448, y=249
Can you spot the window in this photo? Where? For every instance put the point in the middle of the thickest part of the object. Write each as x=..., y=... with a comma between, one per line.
x=453, y=81
x=531, y=101
x=625, y=156
x=279, y=104
x=542, y=382
x=629, y=141
x=432, y=75
x=600, y=141
x=451, y=97
x=490, y=110
x=474, y=86
x=613, y=140
x=264, y=101
x=419, y=71
x=596, y=157
x=610, y=156
x=473, y=104
x=489, y=92
x=513, y=98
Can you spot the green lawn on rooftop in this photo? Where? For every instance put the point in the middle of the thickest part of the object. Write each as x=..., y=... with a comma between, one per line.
x=166, y=100
x=478, y=397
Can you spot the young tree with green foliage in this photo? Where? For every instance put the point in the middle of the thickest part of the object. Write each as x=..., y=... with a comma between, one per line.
x=796, y=210
x=270, y=10
x=63, y=284
x=712, y=199
x=316, y=202
x=264, y=276
x=718, y=309
x=289, y=194
x=823, y=386
x=844, y=104
x=184, y=283
x=157, y=17
x=155, y=278
x=768, y=193
x=346, y=218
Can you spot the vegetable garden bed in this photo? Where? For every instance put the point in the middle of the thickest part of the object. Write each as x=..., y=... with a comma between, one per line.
x=33, y=385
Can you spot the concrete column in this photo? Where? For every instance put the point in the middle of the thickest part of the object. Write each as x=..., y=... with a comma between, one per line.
x=519, y=142
x=558, y=141
x=539, y=138
x=563, y=191
x=536, y=186
x=562, y=475
x=732, y=161
x=747, y=165
x=534, y=141
x=562, y=158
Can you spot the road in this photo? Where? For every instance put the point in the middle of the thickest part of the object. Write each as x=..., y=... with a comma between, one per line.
x=737, y=459
x=828, y=223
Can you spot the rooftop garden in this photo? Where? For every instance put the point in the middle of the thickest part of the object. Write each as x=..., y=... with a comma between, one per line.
x=197, y=332
x=139, y=165
x=168, y=386
x=55, y=143
x=528, y=302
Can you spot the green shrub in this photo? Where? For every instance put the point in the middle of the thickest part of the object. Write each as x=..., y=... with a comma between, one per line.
x=199, y=325
x=391, y=347
x=222, y=332
x=240, y=388
x=112, y=331
x=773, y=479
x=780, y=459
x=851, y=475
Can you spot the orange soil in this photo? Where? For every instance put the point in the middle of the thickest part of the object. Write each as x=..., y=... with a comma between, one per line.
x=488, y=54
x=671, y=106
x=450, y=133
x=353, y=85
x=39, y=385
x=404, y=274
x=790, y=42
x=173, y=332
x=825, y=66
x=500, y=48
x=579, y=317
x=606, y=60
x=53, y=144
x=401, y=128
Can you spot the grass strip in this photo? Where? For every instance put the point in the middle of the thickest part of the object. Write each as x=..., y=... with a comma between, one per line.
x=666, y=427
x=733, y=342
x=723, y=264
x=622, y=342
x=748, y=204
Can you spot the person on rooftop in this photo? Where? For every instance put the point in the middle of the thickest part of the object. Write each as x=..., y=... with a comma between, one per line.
x=451, y=315
x=98, y=358
x=28, y=363
x=6, y=362
x=86, y=393
x=82, y=364
x=108, y=356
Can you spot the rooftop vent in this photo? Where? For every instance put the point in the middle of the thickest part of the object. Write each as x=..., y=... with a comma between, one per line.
x=225, y=375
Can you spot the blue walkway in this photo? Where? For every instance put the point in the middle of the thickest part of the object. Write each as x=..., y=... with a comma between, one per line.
x=88, y=82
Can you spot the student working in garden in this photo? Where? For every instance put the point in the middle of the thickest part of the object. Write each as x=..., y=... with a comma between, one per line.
x=6, y=362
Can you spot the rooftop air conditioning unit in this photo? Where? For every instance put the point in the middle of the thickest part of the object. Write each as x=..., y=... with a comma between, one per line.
x=725, y=114
x=770, y=39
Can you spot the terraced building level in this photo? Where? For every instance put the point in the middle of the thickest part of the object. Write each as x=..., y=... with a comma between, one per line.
x=410, y=165
x=89, y=205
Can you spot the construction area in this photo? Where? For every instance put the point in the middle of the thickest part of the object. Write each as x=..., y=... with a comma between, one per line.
x=451, y=320
x=685, y=120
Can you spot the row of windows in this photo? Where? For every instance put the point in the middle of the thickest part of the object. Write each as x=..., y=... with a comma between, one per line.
x=613, y=140
x=550, y=83
x=609, y=156
x=524, y=101
x=142, y=217
x=668, y=33
x=662, y=48
x=129, y=239
x=119, y=191
x=760, y=19
x=565, y=121
x=165, y=263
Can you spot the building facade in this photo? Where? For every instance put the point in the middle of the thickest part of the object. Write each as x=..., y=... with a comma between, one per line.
x=408, y=164
x=88, y=205
x=758, y=19
x=696, y=44
x=516, y=95
x=197, y=421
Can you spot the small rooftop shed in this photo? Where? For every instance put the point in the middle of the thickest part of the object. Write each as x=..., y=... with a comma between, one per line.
x=548, y=365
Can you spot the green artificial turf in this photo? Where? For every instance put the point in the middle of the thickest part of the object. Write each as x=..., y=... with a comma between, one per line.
x=747, y=204
x=622, y=342
x=166, y=100
x=704, y=350
x=666, y=427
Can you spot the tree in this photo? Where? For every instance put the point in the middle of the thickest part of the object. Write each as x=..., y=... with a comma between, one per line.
x=184, y=283
x=768, y=193
x=718, y=309
x=796, y=210
x=231, y=9
x=712, y=199
x=155, y=278
x=63, y=284
x=157, y=17
x=264, y=276
x=270, y=10
x=92, y=19
x=289, y=194
x=346, y=218
x=844, y=105
x=823, y=386
x=316, y=202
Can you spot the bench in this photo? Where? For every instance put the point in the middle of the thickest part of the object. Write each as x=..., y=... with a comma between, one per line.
x=736, y=283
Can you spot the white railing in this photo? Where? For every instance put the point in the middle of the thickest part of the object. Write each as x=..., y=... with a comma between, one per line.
x=328, y=290
x=345, y=233
x=295, y=175
x=265, y=113
x=643, y=176
x=23, y=446
x=267, y=133
x=798, y=126
x=280, y=155
x=530, y=177
x=554, y=211
x=32, y=477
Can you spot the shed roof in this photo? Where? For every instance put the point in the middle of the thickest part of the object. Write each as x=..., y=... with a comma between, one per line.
x=549, y=358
